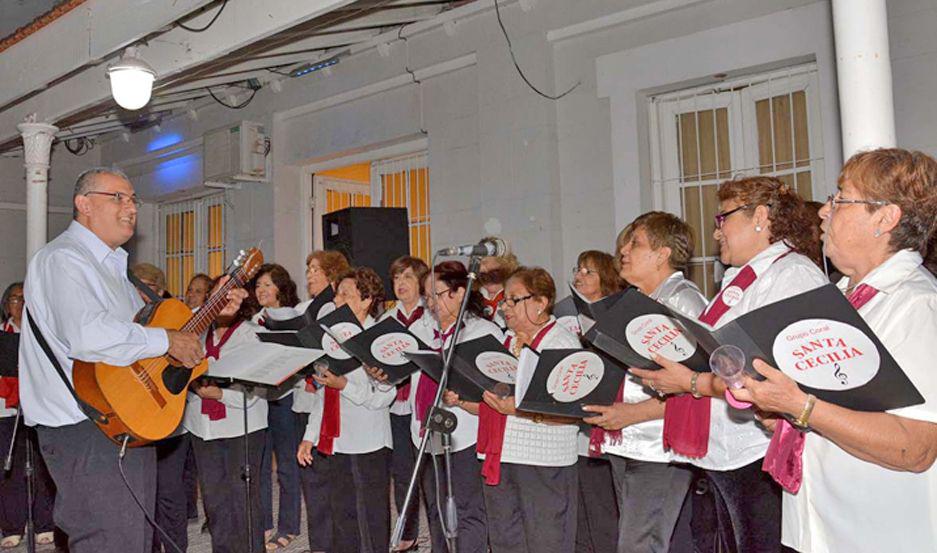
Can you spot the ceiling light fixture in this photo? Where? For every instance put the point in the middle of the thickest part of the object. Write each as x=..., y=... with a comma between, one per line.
x=131, y=80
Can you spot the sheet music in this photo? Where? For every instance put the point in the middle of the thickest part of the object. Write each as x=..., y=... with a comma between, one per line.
x=262, y=363
x=526, y=366
x=282, y=313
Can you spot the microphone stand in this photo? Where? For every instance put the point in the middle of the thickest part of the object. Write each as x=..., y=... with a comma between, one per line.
x=443, y=422
x=30, y=482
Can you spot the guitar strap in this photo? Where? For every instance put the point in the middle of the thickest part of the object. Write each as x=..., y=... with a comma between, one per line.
x=146, y=290
x=87, y=409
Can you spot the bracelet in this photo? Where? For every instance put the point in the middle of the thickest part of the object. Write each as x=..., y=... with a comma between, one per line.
x=804, y=418
x=694, y=391
x=538, y=418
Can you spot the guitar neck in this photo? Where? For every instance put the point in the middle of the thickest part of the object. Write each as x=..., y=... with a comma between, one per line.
x=201, y=320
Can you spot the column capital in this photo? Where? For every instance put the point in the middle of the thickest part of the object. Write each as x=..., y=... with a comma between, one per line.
x=37, y=141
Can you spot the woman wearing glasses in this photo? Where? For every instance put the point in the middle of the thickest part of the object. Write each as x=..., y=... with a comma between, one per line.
x=869, y=483
x=13, y=483
x=768, y=240
x=594, y=277
x=529, y=460
x=655, y=251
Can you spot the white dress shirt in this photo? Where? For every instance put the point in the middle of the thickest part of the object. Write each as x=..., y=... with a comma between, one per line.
x=402, y=407
x=735, y=438
x=535, y=443
x=466, y=431
x=644, y=441
x=77, y=290
x=365, y=413
x=845, y=503
x=5, y=411
x=232, y=425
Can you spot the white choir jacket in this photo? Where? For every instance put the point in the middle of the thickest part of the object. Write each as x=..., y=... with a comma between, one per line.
x=644, y=441
x=466, y=432
x=232, y=426
x=4, y=410
x=844, y=503
x=735, y=437
x=302, y=400
x=547, y=445
x=365, y=413
x=402, y=407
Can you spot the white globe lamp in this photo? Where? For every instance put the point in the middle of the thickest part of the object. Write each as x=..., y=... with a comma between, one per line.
x=131, y=80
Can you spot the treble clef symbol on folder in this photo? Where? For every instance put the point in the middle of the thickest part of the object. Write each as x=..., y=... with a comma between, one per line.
x=840, y=375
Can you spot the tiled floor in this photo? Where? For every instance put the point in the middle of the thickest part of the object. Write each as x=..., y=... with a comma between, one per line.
x=201, y=543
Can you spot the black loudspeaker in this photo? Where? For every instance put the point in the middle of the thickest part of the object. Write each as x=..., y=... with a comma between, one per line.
x=369, y=236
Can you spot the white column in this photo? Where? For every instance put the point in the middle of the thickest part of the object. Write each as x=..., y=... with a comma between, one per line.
x=37, y=147
x=863, y=67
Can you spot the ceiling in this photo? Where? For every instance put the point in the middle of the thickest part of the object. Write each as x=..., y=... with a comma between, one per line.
x=239, y=40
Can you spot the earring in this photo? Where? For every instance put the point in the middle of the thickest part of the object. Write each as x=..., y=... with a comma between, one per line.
x=757, y=228
x=877, y=233
x=539, y=311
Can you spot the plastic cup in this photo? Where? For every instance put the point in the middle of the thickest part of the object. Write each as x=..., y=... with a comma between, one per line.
x=728, y=363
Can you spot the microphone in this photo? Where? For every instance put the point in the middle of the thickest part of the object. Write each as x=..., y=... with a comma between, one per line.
x=494, y=247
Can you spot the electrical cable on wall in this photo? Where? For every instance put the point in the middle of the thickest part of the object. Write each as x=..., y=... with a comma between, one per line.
x=79, y=146
x=210, y=23
x=518, y=67
x=229, y=106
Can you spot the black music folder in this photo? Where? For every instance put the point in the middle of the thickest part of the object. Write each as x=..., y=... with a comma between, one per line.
x=383, y=345
x=478, y=365
x=9, y=354
x=287, y=318
x=341, y=322
x=562, y=381
x=636, y=326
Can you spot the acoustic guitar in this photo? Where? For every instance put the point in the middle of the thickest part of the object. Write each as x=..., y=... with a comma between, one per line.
x=145, y=401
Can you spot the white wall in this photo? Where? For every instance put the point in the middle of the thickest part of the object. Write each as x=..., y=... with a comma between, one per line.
x=62, y=175
x=542, y=173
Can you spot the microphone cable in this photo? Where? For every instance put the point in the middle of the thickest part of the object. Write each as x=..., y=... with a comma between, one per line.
x=146, y=514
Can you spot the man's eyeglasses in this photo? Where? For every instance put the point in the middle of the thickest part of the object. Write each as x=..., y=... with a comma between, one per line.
x=835, y=201
x=513, y=301
x=119, y=197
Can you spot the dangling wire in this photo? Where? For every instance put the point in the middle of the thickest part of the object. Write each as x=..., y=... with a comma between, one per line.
x=210, y=23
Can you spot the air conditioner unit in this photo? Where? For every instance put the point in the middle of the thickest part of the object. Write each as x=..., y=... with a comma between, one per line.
x=235, y=153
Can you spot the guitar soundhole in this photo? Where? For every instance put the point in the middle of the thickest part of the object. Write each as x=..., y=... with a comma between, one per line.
x=176, y=378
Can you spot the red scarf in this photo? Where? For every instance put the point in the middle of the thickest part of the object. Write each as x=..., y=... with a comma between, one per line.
x=491, y=305
x=331, y=427
x=214, y=409
x=9, y=385
x=403, y=392
x=426, y=387
x=491, y=424
x=686, y=419
x=784, y=461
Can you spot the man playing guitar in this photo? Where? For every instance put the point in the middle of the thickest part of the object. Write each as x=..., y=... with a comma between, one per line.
x=80, y=299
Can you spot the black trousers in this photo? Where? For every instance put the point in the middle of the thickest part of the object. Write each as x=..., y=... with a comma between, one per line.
x=403, y=459
x=13, y=492
x=597, y=525
x=171, y=508
x=748, y=509
x=220, y=472
x=315, y=484
x=190, y=478
x=469, y=498
x=92, y=504
x=361, y=506
x=281, y=442
x=533, y=509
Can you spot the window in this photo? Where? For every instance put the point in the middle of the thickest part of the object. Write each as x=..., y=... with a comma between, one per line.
x=404, y=182
x=767, y=124
x=192, y=240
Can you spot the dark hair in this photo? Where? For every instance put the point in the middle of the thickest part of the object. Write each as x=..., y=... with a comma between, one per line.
x=369, y=285
x=4, y=315
x=791, y=220
x=286, y=288
x=200, y=276
x=903, y=178
x=538, y=282
x=418, y=266
x=455, y=275
x=249, y=306
x=604, y=265
x=333, y=263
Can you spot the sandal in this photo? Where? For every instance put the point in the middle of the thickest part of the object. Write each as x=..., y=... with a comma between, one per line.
x=281, y=542
x=10, y=542
x=45, y=538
